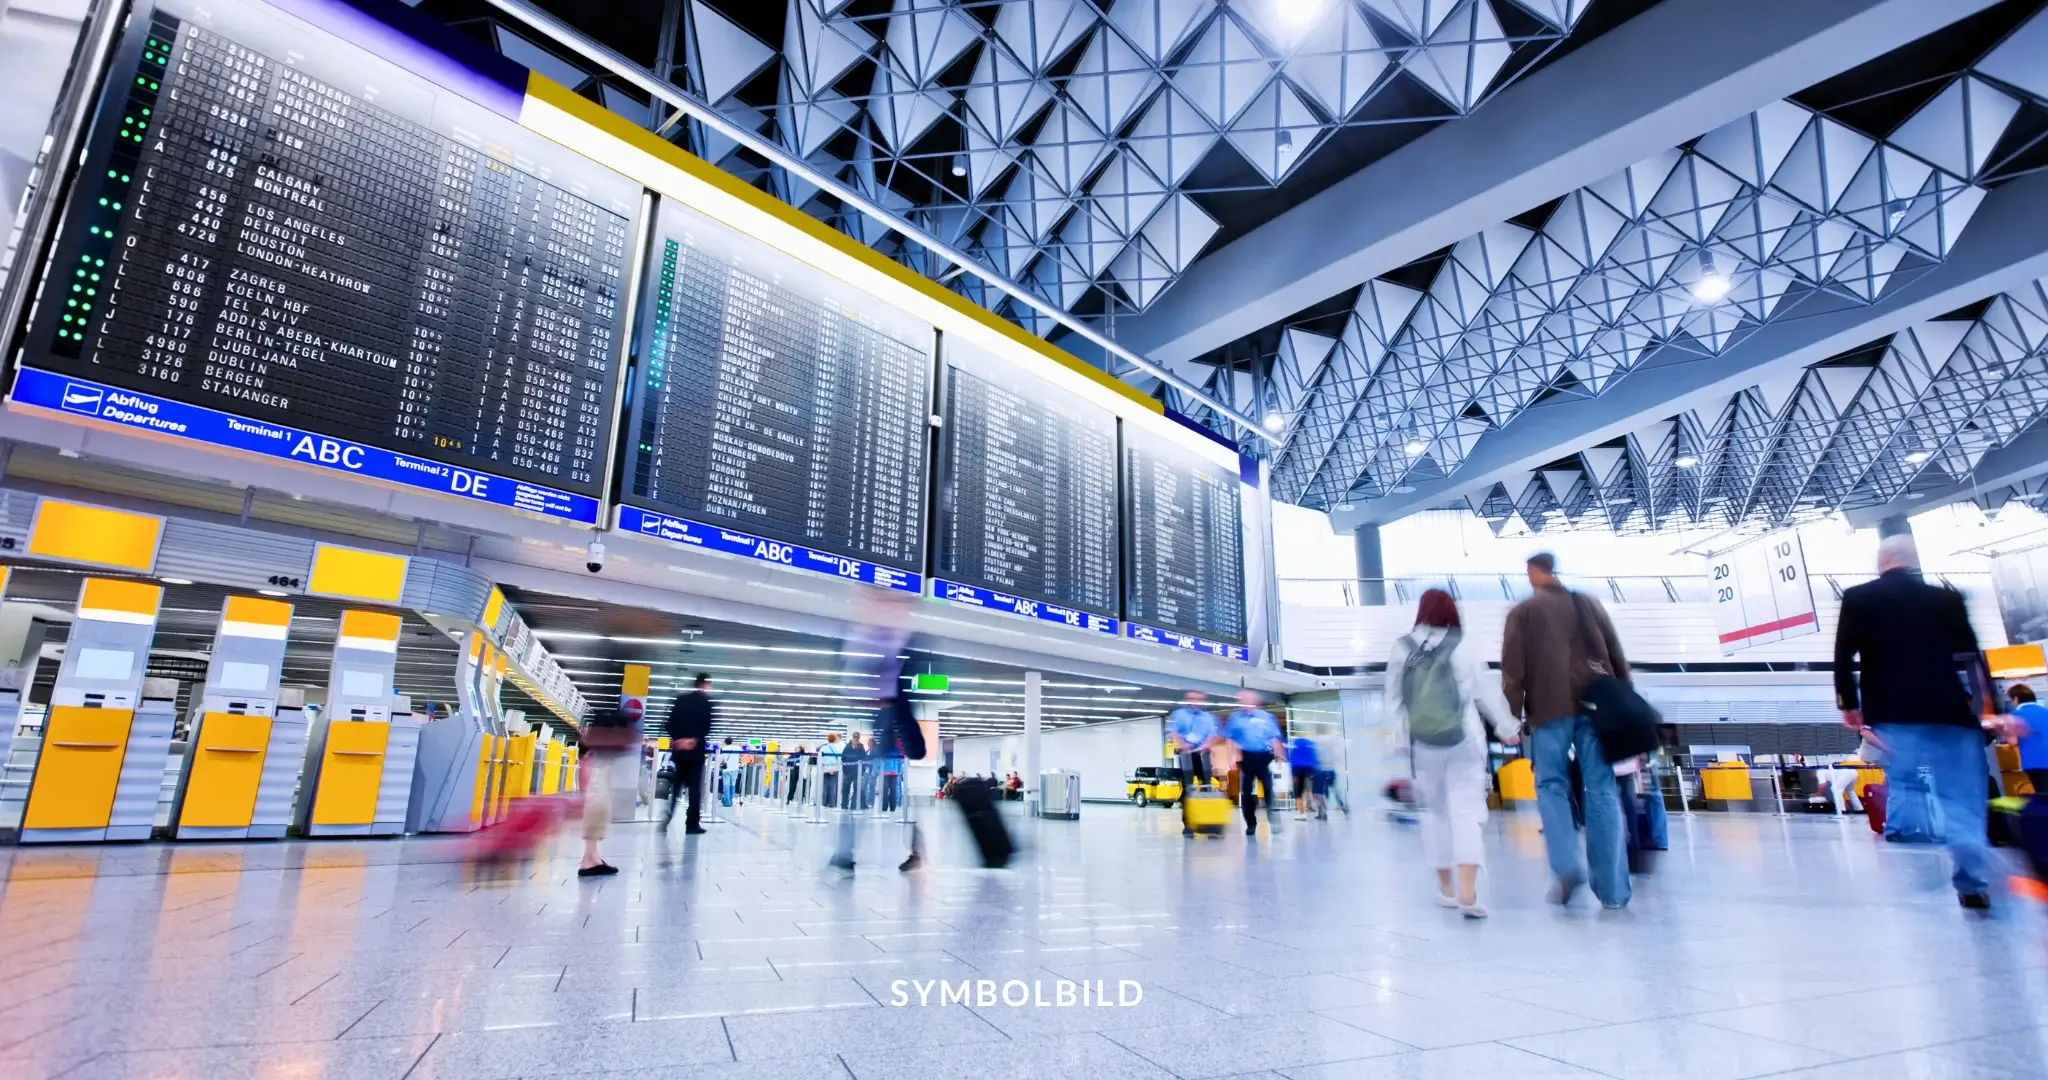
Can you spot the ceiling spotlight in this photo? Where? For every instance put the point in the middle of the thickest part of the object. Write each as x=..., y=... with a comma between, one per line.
x=1298, y=13
x=1274, y=422
x=1713, y=286
x=176, y=581
x=1284, y=142
x=1415, y=447
x=1686, y=461
x=959, y=164
x=1918, y=456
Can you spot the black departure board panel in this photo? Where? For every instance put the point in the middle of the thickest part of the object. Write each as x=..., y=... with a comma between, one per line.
x=1028, y=507
x=1185, y=540
x=280, y=224
x=775, y=400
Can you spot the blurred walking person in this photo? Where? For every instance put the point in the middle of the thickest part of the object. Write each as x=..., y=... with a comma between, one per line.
x=1444, y=703
x=1256, y=735
x=1913, y=647
x=875, y=653
x=1556, y=641
x=689, y=734
x=1301, y=764
x=605, y=739
x=1192, y=727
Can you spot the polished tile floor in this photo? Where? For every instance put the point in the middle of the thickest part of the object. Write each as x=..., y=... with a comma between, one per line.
x=1760, y=947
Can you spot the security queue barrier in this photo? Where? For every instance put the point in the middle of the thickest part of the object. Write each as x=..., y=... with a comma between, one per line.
x=247, y=739
x=98, y=767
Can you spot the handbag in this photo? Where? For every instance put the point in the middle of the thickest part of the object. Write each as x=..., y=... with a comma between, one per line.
x=1623, y=722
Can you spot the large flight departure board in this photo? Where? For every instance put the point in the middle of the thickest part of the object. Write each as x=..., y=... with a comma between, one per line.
x=1185, y=540
x=283, y=240
x=1027, y=509
x=774, y=399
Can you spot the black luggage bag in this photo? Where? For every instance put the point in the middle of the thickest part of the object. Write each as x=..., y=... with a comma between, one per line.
x=977, y=798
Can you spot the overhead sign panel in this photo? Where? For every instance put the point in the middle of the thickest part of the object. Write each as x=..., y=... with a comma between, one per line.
x=1761, y=593
x=283, y=242
x=1027, y=503
x=773, y=399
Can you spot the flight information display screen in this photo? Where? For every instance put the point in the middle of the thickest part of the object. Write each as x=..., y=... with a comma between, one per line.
x=774, y=399
x=274, y=223
x=1185, y=540
x=1028, y=501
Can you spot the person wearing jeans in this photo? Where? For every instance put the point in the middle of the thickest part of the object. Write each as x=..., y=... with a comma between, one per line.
x=1905, y=657
x=1555, y=641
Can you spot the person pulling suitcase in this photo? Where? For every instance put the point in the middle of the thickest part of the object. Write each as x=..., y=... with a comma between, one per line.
x=1193, y=728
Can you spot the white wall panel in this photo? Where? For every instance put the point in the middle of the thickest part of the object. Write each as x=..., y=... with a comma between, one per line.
x=1102, y=753
x=1334, y=637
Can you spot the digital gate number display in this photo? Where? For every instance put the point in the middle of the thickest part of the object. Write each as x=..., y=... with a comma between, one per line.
x=283, y=244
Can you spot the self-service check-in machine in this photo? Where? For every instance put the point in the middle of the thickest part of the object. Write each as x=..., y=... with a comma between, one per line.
x=524, y=741
x=364, y=743
x=452, y=774
x=248, y=734
x=99, y=768
x=490, y=687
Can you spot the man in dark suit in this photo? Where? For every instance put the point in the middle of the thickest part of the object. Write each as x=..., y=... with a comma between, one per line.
x=689, y=731
x=1917, y=654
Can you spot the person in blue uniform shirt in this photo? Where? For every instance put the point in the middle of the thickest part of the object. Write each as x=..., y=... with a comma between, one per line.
x=1192, y=727
x=2033, y=742
x=1258, y=739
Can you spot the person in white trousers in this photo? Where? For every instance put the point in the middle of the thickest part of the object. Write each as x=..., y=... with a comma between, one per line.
x=1450, y=765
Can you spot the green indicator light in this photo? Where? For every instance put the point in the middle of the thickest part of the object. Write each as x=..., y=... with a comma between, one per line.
x=70, y=303
x=78, y=288
x=81, y=273
x=67, y=318
x=140, y=81
x=95, y=277
x=117, y=206
x=85, y=258
x=125, y=178
x=103, y=202
x=145, y=112
x=155, y=86
x=99, y=262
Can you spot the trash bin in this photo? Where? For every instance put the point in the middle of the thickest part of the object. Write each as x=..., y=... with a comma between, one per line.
x=1059, y=794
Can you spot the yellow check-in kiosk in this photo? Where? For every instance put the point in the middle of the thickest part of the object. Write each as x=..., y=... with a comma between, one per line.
x=362, y=747
x=99, y=767
x=521, y=743
x=554, y=756
x=491, y=684
x=247, y=741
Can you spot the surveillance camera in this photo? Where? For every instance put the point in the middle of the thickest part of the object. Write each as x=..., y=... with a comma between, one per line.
x=593, y=556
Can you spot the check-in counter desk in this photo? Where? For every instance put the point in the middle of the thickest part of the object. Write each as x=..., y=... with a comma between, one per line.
x=98, y=769
x=247, y=741
x=363, y=744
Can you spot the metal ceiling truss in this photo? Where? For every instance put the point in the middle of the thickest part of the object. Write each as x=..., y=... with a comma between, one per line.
x=1784, y=211
x=1061, y=144
x=1911, y=414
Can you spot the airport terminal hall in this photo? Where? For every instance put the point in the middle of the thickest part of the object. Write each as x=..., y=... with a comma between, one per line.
x=1070, y=539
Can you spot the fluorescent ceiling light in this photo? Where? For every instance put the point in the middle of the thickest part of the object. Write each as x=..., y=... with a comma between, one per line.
x=1918, y=456
x=1415, y=447
x=1712, y=288
x=1274, y=422
x=1686, y=461
x=175, y=581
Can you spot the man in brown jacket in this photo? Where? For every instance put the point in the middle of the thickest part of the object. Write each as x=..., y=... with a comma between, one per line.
x=1553, y=643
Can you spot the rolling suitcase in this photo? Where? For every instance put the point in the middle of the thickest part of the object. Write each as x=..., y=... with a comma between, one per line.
x=1205, y=810
x=977, y=799
x=1874, y=796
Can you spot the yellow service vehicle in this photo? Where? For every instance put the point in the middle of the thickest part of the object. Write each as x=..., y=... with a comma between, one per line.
x=1154, y=784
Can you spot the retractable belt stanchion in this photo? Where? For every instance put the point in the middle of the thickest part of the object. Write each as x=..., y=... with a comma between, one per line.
x=365, y=744
x=99, y=769
x=246, y=744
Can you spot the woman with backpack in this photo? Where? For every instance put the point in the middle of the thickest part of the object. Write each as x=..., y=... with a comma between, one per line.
x=1444, y=699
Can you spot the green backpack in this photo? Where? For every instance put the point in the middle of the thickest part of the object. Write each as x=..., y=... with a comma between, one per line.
x=1429, y=691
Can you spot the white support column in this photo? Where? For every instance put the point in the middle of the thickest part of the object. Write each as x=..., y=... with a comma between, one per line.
x=1032, y=680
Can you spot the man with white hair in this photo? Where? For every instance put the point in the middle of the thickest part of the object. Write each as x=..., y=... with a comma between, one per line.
x=1914, y=648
